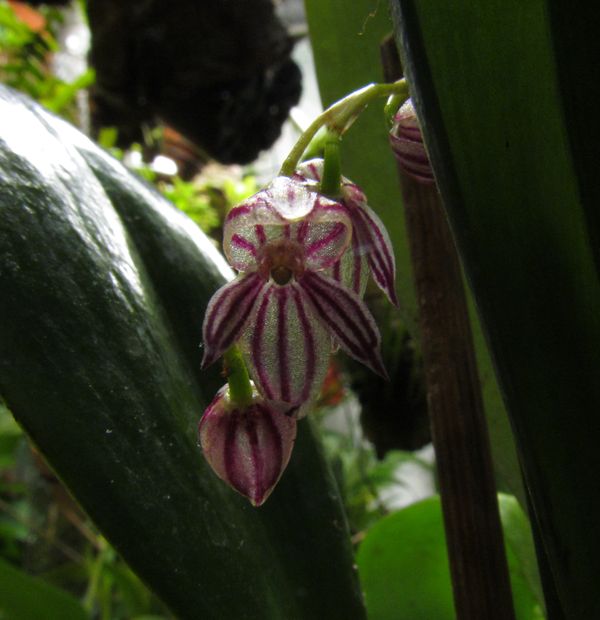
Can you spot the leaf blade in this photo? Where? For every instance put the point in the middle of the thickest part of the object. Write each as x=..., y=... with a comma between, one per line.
x=100, y=364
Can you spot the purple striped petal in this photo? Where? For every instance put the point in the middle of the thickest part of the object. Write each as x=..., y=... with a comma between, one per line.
x=248, y=447
x=346, y=317
x=227, y=313
x=371, y=236
x=310, y=170
x=374, y=240
x=325, y=234
x=285, y=348
x=352, y=269
x=248, y=227
x=286, y=209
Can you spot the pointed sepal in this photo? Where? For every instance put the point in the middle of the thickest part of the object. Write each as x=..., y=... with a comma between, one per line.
x=227, y=313
x=285, y=348
x=346, y=317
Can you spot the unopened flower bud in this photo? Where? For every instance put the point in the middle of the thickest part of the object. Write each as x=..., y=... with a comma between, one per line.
x=407, y=143
x=249, y=446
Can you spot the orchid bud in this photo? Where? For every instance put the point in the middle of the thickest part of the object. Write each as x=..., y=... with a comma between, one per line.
x=249, y=446
x=407, y=143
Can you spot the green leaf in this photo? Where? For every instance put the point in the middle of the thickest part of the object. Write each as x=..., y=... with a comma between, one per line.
x=518, y=539
x=507, y=138
x=345, y=39
x=403, y=564
x=99, y=362
x=23, y=597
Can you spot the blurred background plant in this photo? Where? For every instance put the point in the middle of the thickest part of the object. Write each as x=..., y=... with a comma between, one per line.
x=28, y=40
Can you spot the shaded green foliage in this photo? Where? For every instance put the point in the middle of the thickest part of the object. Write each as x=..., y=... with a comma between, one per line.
x=23, y=597
x=507, y=143
x=404, y=570
x=26, y=55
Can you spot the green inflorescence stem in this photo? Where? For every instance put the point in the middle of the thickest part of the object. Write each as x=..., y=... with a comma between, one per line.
x=332, y=168
x=240, y=388
x=340, y=116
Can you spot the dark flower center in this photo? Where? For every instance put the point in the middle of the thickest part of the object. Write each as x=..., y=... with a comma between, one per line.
x=281, y=260
x=281, y=275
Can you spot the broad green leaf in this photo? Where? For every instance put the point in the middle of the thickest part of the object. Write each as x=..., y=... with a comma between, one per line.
x=346, y=38
x=403, y=564
x=104, y=285
x=508, y=142
x=23, y=597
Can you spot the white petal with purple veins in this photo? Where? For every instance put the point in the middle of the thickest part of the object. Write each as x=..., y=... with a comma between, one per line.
x=291, y=199
x=371, y=237
x=346, y=317
x=352, y=270
x=324, y=230
x=248, y=227
x=227, y=313
x=285, y=348
x=324, y=234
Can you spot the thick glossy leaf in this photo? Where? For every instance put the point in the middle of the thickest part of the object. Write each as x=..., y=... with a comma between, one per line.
x=507, y=140
x=348, y=35
x=23, y=597
x=403, y=564
x=104, y=286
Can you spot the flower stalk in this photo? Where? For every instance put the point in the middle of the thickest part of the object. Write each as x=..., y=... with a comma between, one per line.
x=240, y=388
x=332, y=168
x=339, y=117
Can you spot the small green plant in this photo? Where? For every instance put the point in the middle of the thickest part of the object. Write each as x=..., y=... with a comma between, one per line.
x=25, y=59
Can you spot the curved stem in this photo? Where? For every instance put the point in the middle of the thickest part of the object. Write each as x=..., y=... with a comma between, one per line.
x=391, y=107
x=340, y=116
x=240, y=388
x=332, y=168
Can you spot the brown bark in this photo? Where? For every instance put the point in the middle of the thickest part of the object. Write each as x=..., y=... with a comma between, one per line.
x=474, y=536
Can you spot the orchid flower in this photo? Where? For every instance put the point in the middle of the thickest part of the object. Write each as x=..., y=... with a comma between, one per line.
x=286, y=309
x=371, y=248
x=303, y=260
x=247, y=446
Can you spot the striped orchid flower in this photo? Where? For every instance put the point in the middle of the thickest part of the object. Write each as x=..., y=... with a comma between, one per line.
x=247, y=446
x=287, y=308
x=370, y=250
